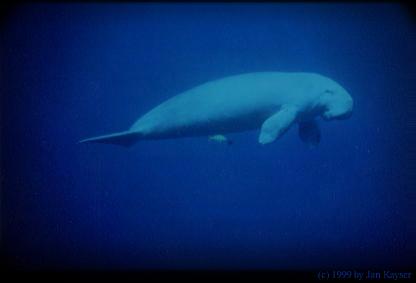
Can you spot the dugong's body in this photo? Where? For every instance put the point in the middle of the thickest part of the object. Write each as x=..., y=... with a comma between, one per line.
x=271, y=101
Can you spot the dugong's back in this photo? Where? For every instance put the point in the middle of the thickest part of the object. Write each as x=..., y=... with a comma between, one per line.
x=253, y=95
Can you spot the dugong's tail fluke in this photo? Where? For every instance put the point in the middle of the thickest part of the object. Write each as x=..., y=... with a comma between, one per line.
x=126, y=139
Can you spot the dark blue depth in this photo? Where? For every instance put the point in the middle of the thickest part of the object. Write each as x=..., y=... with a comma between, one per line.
x=71, y=71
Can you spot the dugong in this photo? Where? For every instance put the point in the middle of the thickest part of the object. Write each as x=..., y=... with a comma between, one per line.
x=269, y=101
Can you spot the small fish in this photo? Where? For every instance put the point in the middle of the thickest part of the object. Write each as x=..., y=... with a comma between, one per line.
x=220, y=139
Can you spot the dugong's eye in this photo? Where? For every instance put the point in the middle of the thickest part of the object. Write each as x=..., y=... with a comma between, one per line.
x=329, y=91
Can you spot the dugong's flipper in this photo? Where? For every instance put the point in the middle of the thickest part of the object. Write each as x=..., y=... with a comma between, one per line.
x=309, y=133
x=277, y=124
x=123, y=138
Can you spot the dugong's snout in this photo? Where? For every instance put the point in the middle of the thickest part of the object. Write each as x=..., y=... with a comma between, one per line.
x=344, y=116
x=339, y=106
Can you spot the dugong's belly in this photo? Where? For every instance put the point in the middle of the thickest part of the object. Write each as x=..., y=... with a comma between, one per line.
x=200, y=118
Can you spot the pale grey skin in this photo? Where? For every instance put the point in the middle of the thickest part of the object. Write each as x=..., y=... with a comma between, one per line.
x=270, y=101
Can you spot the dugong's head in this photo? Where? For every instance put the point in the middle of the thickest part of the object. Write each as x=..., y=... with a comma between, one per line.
x=337, y=103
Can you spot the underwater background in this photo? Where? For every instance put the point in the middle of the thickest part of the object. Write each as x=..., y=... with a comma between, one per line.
x=71, y=71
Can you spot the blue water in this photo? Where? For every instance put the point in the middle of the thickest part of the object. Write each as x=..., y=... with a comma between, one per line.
x=71, y=71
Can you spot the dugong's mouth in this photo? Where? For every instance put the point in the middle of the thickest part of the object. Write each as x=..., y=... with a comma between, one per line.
x=344, y=116
x=331, y=116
